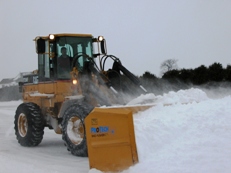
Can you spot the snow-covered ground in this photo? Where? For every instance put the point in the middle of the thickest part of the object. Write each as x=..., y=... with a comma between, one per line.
x=181, y=138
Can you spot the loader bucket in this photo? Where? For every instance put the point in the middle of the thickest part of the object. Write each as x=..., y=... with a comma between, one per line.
x=110, y=138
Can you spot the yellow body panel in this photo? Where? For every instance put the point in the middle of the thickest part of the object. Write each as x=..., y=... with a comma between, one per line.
x=45, y=94
x=110, y=139
x=47, y=88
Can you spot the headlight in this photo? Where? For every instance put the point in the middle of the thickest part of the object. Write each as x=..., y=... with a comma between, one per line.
x=74, y=81
x=100, y=38
x=51, y=37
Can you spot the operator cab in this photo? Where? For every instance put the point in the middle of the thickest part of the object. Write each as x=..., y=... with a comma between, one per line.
x=56, y=54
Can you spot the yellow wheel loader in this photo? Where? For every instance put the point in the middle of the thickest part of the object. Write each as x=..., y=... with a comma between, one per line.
x=73, y=94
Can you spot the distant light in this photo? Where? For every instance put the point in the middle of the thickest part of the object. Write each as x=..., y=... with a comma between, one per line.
x=74, y=81
x=100, y=38
x=51, y=36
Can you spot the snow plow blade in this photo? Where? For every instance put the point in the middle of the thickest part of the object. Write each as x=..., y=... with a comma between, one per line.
x=111, y=139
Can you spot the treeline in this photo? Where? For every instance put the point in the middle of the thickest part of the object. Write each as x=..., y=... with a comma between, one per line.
x=172, y=80
x=198, y=76
x=214, y=75
x=201, y=75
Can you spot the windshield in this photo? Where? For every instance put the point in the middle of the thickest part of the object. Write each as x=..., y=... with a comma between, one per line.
x=66, y=49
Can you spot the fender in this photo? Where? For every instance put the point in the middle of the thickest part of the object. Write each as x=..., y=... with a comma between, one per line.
x=67, y=103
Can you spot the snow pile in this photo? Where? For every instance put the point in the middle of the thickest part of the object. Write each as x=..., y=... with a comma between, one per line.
x=181, y=138
x=193, y=137
x=182, y=97
x=184, y=138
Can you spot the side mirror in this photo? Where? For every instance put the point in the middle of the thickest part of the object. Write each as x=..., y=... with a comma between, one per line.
x=103, y=46
x=40, y=45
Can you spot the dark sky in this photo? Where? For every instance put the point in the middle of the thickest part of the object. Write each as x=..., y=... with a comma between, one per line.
x=142, y=34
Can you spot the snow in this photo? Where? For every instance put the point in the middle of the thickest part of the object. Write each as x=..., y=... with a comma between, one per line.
x=36, y=94
x=189, y=135
x=182, y=96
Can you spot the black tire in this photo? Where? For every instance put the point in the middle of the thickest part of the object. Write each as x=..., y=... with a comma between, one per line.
x=73, y=128
x=29, y=124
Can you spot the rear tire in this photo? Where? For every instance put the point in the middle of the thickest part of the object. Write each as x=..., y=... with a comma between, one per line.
x=29, y=124
x=73, y=128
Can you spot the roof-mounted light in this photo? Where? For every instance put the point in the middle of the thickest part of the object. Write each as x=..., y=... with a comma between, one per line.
x=100, y=38
x=51, y=37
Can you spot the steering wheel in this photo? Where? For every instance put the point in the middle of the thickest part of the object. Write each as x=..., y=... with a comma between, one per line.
x=75, y=62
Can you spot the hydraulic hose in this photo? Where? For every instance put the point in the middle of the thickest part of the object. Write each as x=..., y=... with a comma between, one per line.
x=127, y=73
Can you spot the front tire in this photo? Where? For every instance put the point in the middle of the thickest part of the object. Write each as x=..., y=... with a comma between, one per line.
x=73, y=129
x=29, y=124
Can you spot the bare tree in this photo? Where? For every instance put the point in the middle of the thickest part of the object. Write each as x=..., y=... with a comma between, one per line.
x=168, y=65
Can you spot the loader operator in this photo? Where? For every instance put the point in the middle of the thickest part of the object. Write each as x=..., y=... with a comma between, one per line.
x=64, y=64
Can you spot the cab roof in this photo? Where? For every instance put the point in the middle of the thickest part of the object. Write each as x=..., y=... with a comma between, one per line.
x=64, y=35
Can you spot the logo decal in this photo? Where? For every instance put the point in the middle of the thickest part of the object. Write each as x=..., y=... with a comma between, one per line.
x=101, y=131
